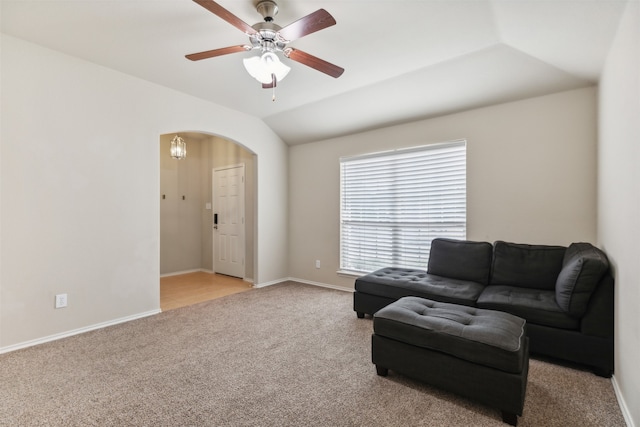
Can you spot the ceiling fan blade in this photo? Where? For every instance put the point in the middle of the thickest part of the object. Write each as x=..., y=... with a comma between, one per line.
x=311, y=23
x=217, y=52
x=314, y=62
x=223, y=13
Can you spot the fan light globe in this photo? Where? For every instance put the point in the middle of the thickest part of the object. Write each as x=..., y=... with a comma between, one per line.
x=261, y=68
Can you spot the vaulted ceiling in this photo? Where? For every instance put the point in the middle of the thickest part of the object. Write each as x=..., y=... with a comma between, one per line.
x=404, y=59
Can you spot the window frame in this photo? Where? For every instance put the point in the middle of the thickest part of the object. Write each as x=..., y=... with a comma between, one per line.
x=397, y=162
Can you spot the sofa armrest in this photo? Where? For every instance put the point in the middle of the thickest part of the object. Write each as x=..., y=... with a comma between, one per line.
x=599, y=317
x=583, y=267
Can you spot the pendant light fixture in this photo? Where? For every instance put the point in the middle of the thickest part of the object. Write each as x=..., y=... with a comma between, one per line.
x=178, y=148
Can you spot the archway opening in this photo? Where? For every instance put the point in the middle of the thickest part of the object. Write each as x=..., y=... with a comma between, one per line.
x=190, y=245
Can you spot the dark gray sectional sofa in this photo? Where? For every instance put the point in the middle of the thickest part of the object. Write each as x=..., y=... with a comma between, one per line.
x=565, y=294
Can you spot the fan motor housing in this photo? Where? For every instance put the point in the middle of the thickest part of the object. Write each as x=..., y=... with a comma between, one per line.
x=267, y=37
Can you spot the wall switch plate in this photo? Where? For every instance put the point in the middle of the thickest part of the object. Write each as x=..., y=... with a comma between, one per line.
x=61, y=300
x=317, y=263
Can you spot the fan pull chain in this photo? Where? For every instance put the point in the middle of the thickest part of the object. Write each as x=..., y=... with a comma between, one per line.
x=273, y=88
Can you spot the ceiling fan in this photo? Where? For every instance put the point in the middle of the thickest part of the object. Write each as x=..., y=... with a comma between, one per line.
x=270, y=38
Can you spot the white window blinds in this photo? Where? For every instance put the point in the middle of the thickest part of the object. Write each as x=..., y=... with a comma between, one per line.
x=393, y=204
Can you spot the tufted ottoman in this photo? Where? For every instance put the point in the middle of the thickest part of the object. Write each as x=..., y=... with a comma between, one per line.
x=479, y=354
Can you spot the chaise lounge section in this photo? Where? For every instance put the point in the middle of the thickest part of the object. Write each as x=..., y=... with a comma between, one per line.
x=565, y=294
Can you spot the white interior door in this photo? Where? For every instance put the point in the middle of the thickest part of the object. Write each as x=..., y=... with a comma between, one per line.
x=228, y=228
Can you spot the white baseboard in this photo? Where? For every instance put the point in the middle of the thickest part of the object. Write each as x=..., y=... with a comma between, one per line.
x=265, y=284
x=306, y=282
x=622, y=403
x=55, y=337
x=178, y=273
x=322, y=285
x=198, y=270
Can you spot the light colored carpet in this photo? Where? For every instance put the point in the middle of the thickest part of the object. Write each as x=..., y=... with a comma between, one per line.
x=285, y=355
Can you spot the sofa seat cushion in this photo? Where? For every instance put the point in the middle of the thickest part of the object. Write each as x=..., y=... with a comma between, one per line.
x=486, y=337
x=535, y=305
x=582, y=268
x=526, y=266
x=461, y=259
x=395, y=282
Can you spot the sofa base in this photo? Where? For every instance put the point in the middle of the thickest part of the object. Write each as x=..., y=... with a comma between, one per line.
x=595, y=353
x=369, y=304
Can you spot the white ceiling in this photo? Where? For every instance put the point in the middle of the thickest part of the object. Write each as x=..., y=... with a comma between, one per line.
x=404, y=59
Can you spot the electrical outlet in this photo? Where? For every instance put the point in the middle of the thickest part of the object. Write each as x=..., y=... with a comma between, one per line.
x=61, y=300
x=317, y=263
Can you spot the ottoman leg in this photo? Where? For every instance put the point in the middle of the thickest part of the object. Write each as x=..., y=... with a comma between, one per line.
x=360, y=314
x=381, y=371
x=510, y=418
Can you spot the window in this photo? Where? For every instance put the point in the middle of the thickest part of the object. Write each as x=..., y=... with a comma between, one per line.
x=393, y=204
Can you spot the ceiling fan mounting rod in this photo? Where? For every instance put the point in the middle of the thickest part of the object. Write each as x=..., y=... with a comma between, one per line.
x=268, y=9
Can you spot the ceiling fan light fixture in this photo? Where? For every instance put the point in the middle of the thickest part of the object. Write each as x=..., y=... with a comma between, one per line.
x=270, y=38
x=263, y=67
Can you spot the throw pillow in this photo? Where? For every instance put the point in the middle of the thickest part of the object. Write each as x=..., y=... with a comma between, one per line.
x=582, y=268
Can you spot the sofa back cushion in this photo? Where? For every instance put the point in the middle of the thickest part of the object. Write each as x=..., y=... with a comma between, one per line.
x=460, y=259
x=582, y=268
x=526, y=266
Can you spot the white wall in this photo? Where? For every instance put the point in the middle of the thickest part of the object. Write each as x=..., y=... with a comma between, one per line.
x=79, y=190
x=181, y=229
x=531, y=177
x=619, y=199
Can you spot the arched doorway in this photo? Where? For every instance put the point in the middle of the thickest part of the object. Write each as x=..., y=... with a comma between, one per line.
x=187, y=209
